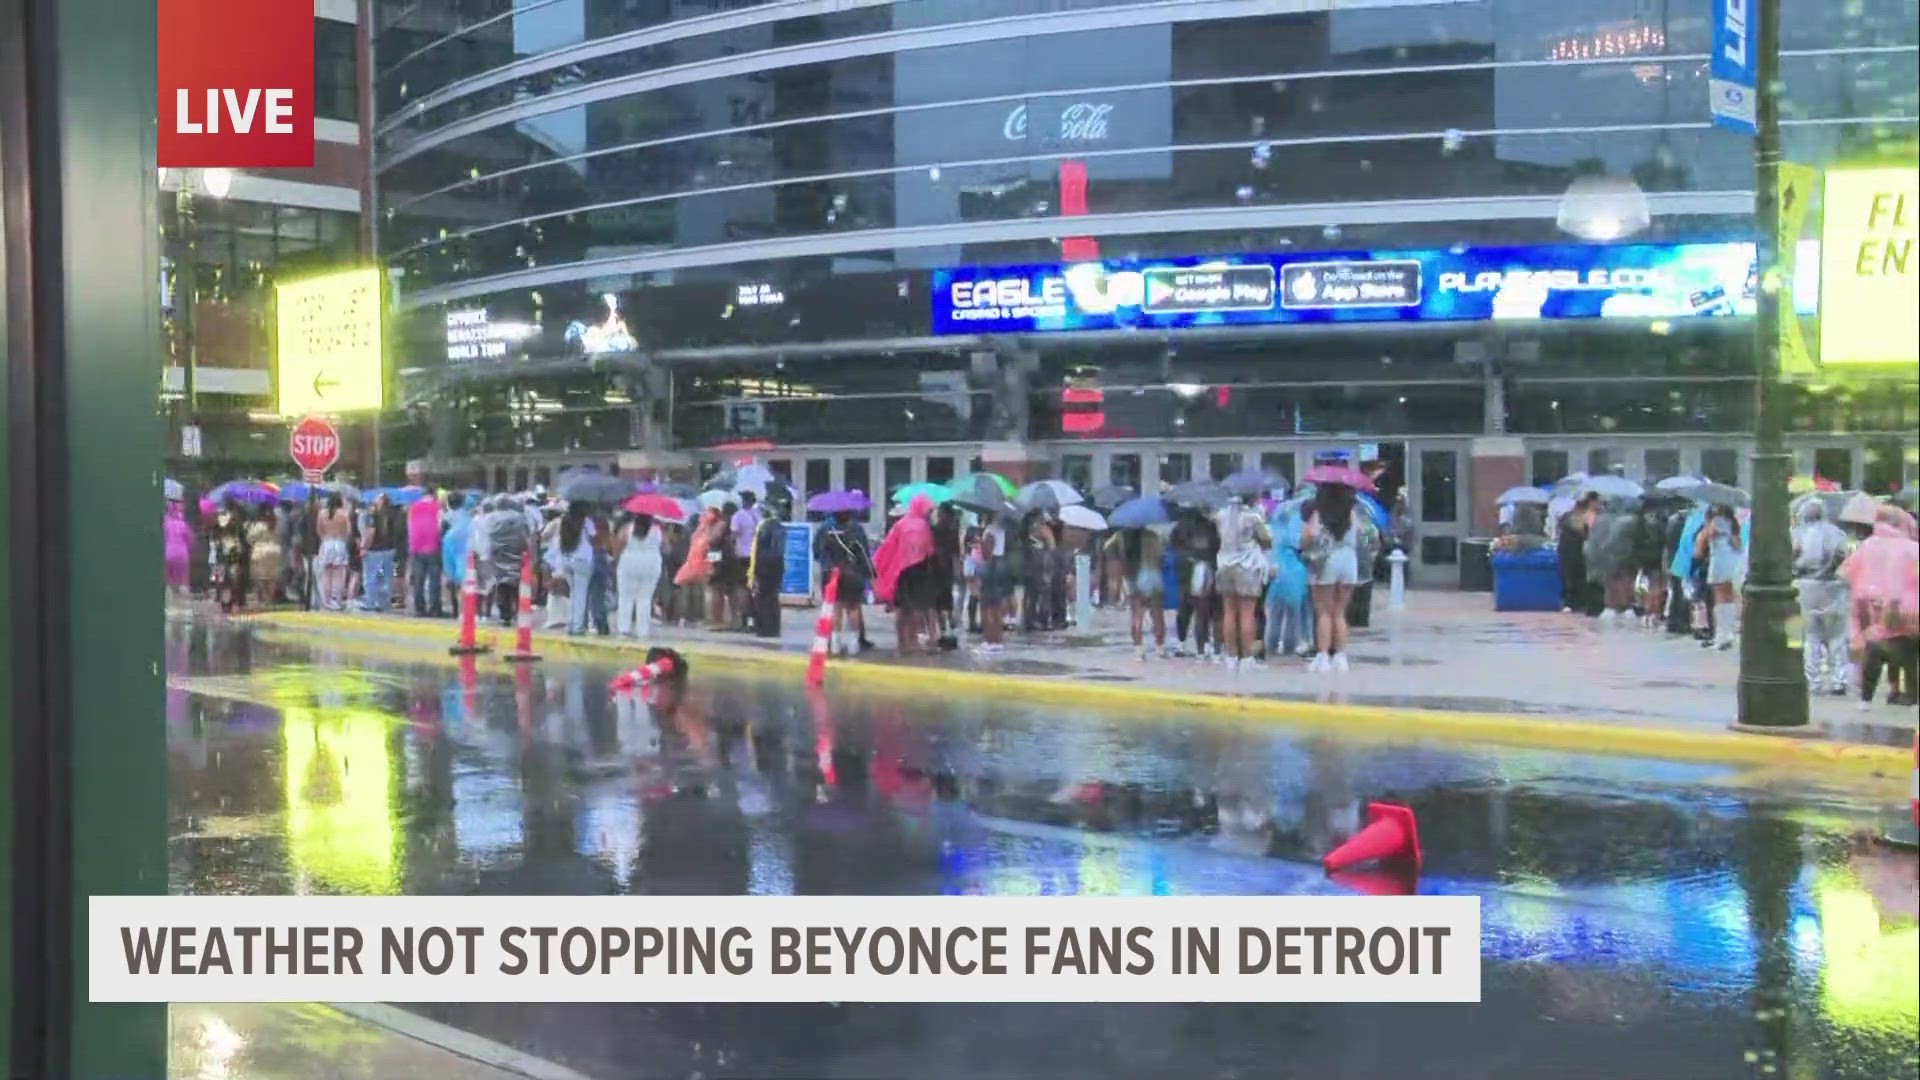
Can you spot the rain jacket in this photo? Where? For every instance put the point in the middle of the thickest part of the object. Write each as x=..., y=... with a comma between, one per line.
x=454, y=545
x=908, y=544
x=1609, y=544
x=1883, y=574
x=507, y=541
x=696, y=569
x=1819, y=550
x=1289, y=584
x=1683, y=555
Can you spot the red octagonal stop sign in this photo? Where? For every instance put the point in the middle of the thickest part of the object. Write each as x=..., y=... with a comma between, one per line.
x=315, y=445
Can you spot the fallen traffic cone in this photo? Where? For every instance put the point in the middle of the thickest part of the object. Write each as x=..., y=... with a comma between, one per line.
x=1390, y=834
x=468, y=643
x=1398, y=880
x=663, y=665
x=523, y=624
x=823, y=632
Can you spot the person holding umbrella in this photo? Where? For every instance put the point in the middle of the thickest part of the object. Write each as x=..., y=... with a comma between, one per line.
x=179, y=548
x=842, y=546
x=946, y=569
x=1136, y=552
x=1719, y=543
x=638, y=544
x=1196, y=543
x=1819, y=550
x=1242, y=562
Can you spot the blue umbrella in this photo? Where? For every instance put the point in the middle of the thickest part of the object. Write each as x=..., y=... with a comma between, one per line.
x=1139, y=513
x=1378, y=512
x=246, y=491
x=408, y=495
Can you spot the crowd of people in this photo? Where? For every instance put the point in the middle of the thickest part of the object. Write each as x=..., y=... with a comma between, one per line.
x=1678, y=566
x=1247, y=581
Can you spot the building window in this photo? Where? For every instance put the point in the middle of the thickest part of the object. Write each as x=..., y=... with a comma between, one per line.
x=1834, y=463
x=858, y=473
x=336, y=70
x=1280, y=465
x=1662, y=464
x=1721, y=465
x=1439, y=550
x=1602, y=460
x=898, y=474
x=1175, y=468
x=1077, y=469
x=1549, y=466
x=1124, y=469
x=1221, y=466
x=939, y=469
x=1439, y=486
x=819, y=475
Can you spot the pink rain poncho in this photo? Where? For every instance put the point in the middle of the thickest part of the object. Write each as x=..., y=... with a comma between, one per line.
x=1883, y=574
x=178, y=540
x=909, y=544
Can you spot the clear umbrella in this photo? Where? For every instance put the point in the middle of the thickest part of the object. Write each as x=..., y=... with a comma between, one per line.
x=1083, y=517
x=1515, y=495
x=1049, y=495
x=1716, y=494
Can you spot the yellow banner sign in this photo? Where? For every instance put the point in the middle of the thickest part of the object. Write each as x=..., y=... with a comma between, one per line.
x=1795, y=193
x=329, y=358
x=1869, y=271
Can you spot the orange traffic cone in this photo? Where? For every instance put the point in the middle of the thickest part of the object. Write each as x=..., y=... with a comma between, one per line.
x=1390, y=834
x=663, y=665
x=468, y=643
x=823, y=632
x=1394, y=880
x=523, y=622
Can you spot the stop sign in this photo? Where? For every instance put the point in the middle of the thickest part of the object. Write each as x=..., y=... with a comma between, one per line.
x=315, y=445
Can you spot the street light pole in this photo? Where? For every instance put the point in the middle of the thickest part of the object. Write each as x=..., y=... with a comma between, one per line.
x=1773, y=687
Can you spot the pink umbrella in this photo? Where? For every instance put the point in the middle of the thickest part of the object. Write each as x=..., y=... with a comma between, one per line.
x=208, y=507
x=1339, y=474
x=656, y=505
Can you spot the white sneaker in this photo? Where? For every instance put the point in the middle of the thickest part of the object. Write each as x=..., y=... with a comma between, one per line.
x=1863, y=706
x=1303, y=651
x=1140, y=654
x=1606, y=620
x=1232, y=664
x=1320, y=663
x=1340, y=662
x=1167, y=652
x=1254, y=664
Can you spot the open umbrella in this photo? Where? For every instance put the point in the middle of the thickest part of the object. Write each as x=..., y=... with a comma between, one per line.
x=1609, y=486
x=1374, y=509
x=1716, y=494
x=840, y=502
x=939, y=493
x=656, y=505
x=1832, y=501
x=966, y=481
x=1339, y=474
x=1253, y=483
x=714, y=500
x=1517, y=495
x=407, y=496
x=751, y=477
x=1198, y=494
x=257, y=492
x=594, y=486
x=1569, y=484
x=1678, y=483
x=1083, y=517
x=1048, y=495
x=172, y=490
x=1112, y=495
x=1139, y=513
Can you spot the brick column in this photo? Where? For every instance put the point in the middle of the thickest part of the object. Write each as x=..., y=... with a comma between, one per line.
x=1496, y=463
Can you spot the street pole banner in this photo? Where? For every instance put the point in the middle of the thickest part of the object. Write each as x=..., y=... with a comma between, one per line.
x=784, y=948
x=1797, y=184
x=1731, y=74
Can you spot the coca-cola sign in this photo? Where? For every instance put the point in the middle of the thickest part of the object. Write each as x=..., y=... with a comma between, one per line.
x=1080, y=122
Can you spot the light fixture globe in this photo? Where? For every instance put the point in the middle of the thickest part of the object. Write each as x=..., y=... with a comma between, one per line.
x=1603, y=209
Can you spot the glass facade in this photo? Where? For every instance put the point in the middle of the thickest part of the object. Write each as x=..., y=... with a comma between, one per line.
x=749, y=198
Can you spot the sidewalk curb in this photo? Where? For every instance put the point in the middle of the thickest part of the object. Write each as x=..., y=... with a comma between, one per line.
x=454, y=1041
x=1383, y=722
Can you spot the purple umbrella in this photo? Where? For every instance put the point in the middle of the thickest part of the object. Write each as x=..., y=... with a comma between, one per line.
x=840, y=502
x=246, y=491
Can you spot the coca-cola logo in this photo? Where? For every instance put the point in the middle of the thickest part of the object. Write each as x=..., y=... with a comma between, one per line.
x=1080, y=122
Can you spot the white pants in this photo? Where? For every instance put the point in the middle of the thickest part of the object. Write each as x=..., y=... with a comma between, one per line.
x=636, y=579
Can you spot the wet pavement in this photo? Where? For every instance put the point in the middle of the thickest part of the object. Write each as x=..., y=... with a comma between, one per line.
x=1641, y=918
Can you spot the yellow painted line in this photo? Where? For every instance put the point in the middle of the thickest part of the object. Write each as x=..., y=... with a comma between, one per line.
x=1350, y=721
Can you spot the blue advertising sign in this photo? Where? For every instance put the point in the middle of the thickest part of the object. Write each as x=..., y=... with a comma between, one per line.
x=797, y=576
x=1561, y=281
x=1731, y=74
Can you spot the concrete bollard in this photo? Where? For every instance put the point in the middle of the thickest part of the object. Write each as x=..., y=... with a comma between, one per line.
x=1397, y=589
x=1082, y=591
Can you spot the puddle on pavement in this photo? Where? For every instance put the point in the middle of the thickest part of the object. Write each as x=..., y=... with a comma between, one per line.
x=1635, y=911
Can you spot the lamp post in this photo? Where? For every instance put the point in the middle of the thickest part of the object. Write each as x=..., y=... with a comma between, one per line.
x=1773, y=687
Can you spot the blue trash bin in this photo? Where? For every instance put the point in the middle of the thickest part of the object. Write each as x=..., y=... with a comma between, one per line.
x=1526, y=580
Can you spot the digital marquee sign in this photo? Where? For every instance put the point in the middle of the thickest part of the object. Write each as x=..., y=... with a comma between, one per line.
x=1557, y=281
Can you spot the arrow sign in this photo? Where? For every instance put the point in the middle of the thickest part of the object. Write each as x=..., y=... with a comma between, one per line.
x=321, y=382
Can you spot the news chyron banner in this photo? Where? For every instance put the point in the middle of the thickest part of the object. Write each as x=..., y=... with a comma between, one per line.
x=236, y=84
x=784, y=949
x=1869, y=272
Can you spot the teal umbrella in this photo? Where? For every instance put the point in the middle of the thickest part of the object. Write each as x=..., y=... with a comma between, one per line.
x=907, y=493
x=967, y=482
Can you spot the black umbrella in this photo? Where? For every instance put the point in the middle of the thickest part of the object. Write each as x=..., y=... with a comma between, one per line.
x=1253, y=483
x=591, y=485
